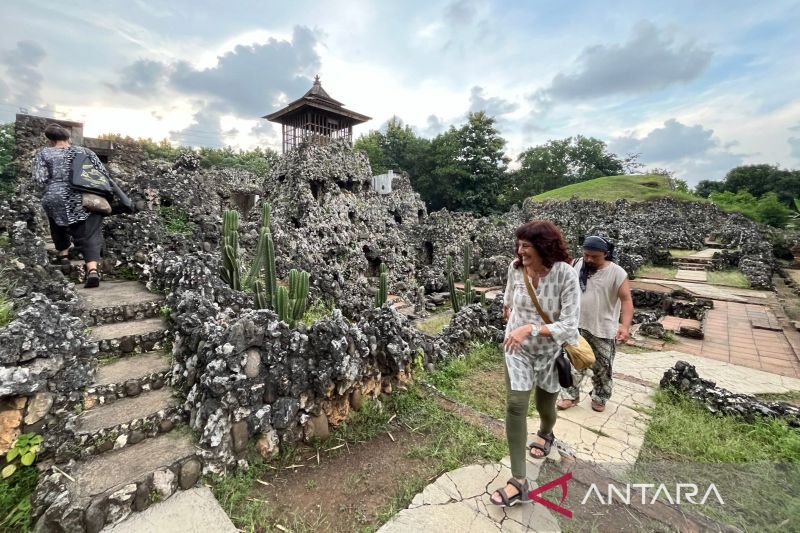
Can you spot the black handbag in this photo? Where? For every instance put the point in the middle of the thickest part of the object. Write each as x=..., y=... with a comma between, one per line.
x=564, y=370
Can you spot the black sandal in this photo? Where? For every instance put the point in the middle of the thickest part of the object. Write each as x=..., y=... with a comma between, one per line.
x=520, y=497
x=92, y=279
x=544, y=448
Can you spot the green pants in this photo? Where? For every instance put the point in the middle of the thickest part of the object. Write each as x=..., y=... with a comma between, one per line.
x=517, y=422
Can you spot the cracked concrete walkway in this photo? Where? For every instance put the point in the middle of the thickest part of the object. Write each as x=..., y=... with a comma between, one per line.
x=611, y=440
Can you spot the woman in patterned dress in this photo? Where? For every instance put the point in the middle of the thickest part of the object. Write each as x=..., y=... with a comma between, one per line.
x=531, y=346
x=63, y=205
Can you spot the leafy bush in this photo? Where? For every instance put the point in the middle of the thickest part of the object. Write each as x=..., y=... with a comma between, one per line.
x=22, y=453
x=175, y=221
x=768, y=209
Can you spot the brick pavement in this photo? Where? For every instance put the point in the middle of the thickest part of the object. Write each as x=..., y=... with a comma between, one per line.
x=730, y=337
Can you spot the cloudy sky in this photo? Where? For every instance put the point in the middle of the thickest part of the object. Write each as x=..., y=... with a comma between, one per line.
x=696, y=87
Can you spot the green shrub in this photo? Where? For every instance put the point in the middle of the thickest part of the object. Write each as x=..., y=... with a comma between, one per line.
x=768, y=209
x=175, y=221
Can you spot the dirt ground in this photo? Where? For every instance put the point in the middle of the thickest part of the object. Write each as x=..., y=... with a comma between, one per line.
x=349, y=487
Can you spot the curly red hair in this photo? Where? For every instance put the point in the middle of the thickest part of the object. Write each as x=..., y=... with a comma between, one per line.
x=546, y=238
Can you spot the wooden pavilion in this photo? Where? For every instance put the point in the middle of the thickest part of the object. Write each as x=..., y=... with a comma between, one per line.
x=316, y=117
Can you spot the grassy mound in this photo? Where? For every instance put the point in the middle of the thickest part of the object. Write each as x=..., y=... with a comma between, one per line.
x=610, y=188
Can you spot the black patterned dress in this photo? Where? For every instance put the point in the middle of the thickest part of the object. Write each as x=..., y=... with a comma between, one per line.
x=51, y=171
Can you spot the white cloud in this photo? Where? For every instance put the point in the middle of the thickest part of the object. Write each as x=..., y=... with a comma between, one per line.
x=693, y=152
x=651, y=60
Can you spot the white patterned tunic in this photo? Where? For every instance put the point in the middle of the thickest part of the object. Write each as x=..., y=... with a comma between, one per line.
x=559, y=295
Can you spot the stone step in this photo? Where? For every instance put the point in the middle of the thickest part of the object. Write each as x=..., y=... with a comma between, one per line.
x=126, y=421
x=129, y=376
x=688, y=266
x=135, y=336
x=118, y=301
x=107, y=488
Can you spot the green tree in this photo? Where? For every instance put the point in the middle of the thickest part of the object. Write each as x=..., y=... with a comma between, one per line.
x=705, y=187
x=772, y=211
x=466, y=168
x=768, y=209
x=398, y=148
x=761, y=179
x=562, y=162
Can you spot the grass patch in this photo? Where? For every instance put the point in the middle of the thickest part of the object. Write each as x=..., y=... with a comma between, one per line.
x=627, y=348
x=175, y=221
x=15, y=500
x=448, y=443
x=127, y=273
x=435, y=324
x=6, y=311
x=683, y=430
x=755, y=466
x=477, y=380
x=730, y=278
x=6, y=306
x=793, y=396
x=612, y=188
x=656, y=272
x=318, y=310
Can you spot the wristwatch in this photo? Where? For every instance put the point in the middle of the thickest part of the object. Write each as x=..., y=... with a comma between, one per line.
x=535, y=330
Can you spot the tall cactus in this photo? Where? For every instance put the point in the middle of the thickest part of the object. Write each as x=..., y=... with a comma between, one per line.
x=281, y=304
x=298, y=294
x=262, y=256
x=455, y=300
x=467, y=250
x=231, y=266
x=469, y=292
x=262, y=299
x=382, y=295
x=290, y=303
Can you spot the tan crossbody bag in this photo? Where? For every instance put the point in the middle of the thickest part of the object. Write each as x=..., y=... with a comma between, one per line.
x=582, y=355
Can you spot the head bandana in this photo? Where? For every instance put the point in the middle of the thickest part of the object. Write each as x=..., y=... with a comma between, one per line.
x=594, y=244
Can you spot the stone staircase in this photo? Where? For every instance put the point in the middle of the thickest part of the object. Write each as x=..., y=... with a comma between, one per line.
x=128, y=454
x=694, y=267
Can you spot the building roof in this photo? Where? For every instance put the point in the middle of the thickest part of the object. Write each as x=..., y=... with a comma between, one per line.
x=316, y=97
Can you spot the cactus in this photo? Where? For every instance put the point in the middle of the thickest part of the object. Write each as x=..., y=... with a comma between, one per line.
x=469, y=293
x=290, y=304
x=451, y=285
x=262, y=300
x=483, y=299
x=231, y=266
x=382, y=295
x=298, y=294
x=467, y=250
x=281, y=304
x=262, y=256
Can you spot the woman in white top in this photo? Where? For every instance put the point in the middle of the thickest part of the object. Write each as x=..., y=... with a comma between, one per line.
x=531, y=346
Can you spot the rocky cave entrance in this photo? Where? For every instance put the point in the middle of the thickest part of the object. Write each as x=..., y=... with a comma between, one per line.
x=397, y=218
x=420, y=215
x=428, y=252
x=316, y=189
x=244, y=201
x=373, y=262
